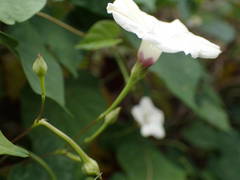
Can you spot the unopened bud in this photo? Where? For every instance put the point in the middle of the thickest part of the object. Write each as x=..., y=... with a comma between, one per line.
x=39, y=66
x=112, y=116
x=148, y=53
x=91, y=167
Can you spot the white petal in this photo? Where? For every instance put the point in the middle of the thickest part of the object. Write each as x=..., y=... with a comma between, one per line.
x=178, y=39
x=128, y=15
x=153, y=130
x=148, y=106
x=149, y=117
x=168, y=37
x=146, y=103
x=138, y=114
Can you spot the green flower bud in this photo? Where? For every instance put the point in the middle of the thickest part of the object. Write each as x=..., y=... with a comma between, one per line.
x=39, y=66
x=91, y=167
x=112, y=116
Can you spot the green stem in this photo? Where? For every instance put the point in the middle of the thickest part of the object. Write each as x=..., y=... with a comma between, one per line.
x=90, y=166
x=68, y=154
x=43, y=164
x=97, y=133
x=136, y=74
x=43, y=96
x=109, y=119
x=43, y=89
x=65, y=137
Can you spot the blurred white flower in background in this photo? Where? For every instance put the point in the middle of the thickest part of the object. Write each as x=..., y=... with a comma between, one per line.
x=150, y=118
x=158, y=36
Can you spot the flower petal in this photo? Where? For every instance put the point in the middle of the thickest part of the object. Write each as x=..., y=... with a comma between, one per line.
x=155, y=130
x=177, y=38
x=168, y=37
x=138, y=114
x=128, y=15
x=150, y=118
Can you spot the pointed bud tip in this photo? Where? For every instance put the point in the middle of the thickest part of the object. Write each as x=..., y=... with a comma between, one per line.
x=113, y=115
x=39, y=66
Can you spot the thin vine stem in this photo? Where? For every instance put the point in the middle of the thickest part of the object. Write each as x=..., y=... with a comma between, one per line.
x=65, y=137
x=90, y=166
x=136, y=74
x=60, y=23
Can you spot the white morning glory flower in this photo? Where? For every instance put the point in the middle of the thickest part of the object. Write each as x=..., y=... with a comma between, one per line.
x=158, y=36
x=150, y=118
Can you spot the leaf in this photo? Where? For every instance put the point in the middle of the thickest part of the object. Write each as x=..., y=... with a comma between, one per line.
x=226, y=166
x=202, y=136
x=103, y=34
x=60, y=44
x=8, y=41
x=225, y=31
x=84, y=100
x=148, y=5
x=185, y=8
x=142, y=161
x=64, y=168
x=227, y=144
x=118, y=176
x=186, y=79
x=31, y=44
x=12, y=11
x=8, y=148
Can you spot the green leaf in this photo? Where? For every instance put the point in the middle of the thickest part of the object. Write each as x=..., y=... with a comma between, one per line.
x=31, y=44
x=185, y=9
x=148, y=5
x=60, y=43
x=227, y=144
x=142, y=161
x=202, y=136
x=12, y=11
x=84, y=100
x=8, y=41
x=186, y=79
x=225, y=31
x=103, y=34
x=65, y=169
x=8, y=148
x=118, y=176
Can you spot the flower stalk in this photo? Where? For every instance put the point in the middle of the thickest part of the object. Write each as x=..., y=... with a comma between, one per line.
x=109, y=119
x=90, y=166
x=40, y=69
x=137, y=73
x=68, y=154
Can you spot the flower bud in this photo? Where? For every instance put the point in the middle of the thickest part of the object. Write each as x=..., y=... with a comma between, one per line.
x=148, y=53
x=112, y=116
x=39, y=66
x=90, y=167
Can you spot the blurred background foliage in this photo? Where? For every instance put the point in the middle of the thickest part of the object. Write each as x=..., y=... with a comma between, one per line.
x=200, y=98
